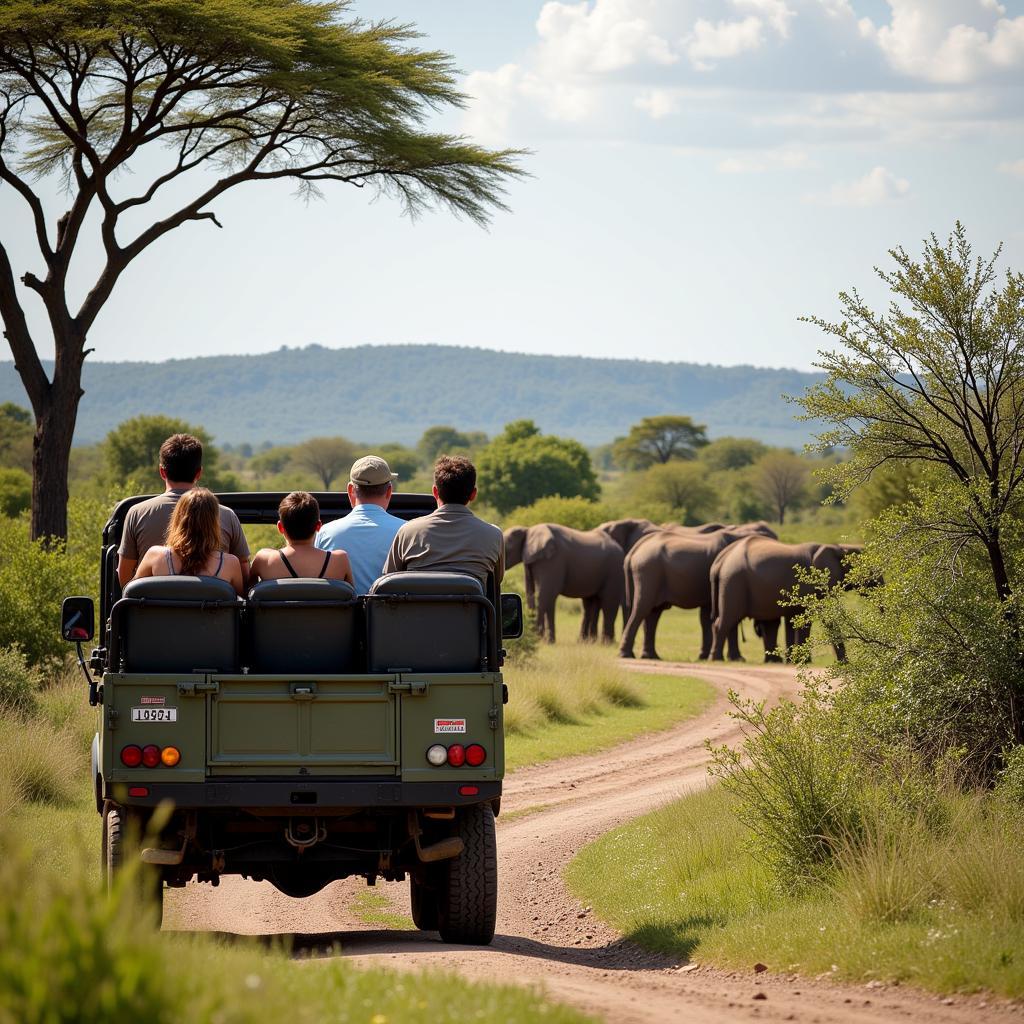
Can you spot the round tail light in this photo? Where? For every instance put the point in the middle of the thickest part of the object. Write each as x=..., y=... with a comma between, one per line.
x=475, y=755
x=131, y=756
x=151, y=755
x=437, y=755
x=456, y=755
x=170, y=756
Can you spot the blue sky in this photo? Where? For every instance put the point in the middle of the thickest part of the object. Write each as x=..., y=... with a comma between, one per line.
x=703, y=173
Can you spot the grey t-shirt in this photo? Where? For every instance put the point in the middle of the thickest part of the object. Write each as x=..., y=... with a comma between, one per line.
x=146, y=524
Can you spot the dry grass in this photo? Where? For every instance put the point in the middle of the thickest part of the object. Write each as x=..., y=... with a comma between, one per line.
x=43, y=764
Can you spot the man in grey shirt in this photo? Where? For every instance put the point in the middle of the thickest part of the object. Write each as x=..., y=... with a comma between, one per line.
x=451, y=538
x=145, y=526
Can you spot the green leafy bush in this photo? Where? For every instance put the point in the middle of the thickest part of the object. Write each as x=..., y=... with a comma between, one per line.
x=19, y=682
x=15, y=491
x=577, y=513
x=1010, y=782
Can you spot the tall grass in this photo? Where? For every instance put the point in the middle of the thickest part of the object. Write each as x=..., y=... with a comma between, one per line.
x=936, y=900
x=564, y=684
x=70, y=954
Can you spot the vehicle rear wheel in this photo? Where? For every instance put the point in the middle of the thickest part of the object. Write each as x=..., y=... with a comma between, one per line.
x=424, y=898
x=469, y=897
x=150, y=882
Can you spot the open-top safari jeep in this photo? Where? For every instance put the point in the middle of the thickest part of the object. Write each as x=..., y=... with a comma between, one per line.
x=303, y=735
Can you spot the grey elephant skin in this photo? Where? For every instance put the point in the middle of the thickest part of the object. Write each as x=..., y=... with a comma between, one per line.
x=749, y=578
x=627, y=532
x=672, y=567
x=574, y=563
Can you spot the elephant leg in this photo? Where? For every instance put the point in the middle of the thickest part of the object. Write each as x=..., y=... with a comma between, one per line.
x=637, y=614
x=705, y=632
x=650, y=631
x=588, y=624
x=770, y=635
x=792, y=638
x=734, y=644
x=840, y=648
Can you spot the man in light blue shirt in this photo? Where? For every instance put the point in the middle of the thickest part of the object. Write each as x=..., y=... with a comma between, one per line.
x=367, y=531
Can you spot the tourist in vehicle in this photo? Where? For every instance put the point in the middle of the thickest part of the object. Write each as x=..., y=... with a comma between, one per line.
x=193, y=545
x=145, y=526
x=367, y=531
x=299, y=521
x=451, y=538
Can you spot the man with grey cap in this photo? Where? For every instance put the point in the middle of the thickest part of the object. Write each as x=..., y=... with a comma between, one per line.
x=367, y=531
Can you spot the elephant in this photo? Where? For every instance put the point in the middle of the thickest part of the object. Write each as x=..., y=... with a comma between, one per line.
x=576, y=563
x=626, y=532
x=666, y=568
x=747, y=581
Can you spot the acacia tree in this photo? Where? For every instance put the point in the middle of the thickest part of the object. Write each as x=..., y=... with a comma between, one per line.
x=326, y=457
x=780, y=481
x=658, y=439
x=148, y=111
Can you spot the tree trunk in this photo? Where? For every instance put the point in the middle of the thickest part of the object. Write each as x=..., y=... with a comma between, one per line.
x=56, y=412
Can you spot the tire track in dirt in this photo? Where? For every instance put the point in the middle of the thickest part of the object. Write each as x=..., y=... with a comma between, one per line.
x=544, y=937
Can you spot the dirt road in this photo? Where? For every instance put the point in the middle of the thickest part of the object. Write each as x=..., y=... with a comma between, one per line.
x=544, y=936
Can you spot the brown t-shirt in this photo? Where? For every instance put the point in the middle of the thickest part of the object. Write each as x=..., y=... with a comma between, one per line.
x=146, y=524
x=450, y=539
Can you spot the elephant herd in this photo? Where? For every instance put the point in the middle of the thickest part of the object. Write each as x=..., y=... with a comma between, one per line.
x=729, y=573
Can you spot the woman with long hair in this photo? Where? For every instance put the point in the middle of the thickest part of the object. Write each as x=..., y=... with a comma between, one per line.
x=194, y=543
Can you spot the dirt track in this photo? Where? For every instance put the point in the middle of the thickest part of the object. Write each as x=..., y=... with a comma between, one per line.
x=544, y=936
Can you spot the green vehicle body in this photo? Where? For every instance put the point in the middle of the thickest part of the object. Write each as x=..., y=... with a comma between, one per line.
x=301, y=778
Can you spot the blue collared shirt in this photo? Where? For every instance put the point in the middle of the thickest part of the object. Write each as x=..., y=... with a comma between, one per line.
x=366, y=534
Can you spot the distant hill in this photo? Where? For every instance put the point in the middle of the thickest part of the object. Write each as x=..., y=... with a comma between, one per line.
x=393, y=392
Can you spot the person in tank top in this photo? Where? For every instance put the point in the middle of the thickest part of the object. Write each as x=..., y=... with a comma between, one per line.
x=298, y=522
x=193, y=545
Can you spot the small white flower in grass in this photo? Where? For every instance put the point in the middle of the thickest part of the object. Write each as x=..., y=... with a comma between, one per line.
x=253, y=981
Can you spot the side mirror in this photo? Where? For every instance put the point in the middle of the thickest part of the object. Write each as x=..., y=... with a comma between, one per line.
x=77, y=619
x=511, y=616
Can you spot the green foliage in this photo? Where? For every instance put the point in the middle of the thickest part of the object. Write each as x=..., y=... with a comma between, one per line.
x=658, y=439
x=683, y=487
x=16, y=432
x=403, y=461
x=780, y=480
x=132, y=451
x=889, y=485
x=1010, y=782
x=326, y=458
x=578, y=513
x=19, y=682
x=34, y=580
x=15, y=491
x=441, y=440
x=724, y=453
x=521, y=465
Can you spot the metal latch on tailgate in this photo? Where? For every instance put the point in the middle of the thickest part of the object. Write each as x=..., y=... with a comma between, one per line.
x=415, y=688
x=199, y=688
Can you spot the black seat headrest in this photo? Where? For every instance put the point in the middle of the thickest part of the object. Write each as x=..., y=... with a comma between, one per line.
x=181, y=588
x=275, y=591
x=427, y=583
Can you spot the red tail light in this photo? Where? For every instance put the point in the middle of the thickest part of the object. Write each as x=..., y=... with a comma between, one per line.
x=138, y=790
x=131, y=756
x=475, y=755
x=468, y=790
x=456, y=755
x=151, y=755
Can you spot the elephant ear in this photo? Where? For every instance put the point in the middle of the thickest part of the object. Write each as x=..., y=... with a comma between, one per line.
x=830, y=557
x=540, y=543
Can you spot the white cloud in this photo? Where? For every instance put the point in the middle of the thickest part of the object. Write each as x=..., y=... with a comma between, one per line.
x=714, y=41
x=955, y=41
x=757, y=163
x=1015, y=167
x=657, y=103
x=774, y=12
x=876, y=187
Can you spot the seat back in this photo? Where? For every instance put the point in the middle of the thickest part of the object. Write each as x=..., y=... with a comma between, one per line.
x=426, y=622
x=176, y=624
x=303, y=627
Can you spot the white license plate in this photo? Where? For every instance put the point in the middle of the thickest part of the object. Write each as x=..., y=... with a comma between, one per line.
x=154, y=714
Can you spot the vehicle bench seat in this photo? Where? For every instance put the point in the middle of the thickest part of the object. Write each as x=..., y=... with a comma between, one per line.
x=303, y=626
x=416, y=622
x=176, y=624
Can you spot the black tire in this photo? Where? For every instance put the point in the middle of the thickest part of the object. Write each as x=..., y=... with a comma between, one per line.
x=423, y=899
x=149, y=880
x=468, y=905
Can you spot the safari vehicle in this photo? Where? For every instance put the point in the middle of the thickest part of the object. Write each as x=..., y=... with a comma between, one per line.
x=304, y=734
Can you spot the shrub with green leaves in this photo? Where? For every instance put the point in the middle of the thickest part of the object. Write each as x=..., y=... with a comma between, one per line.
x=577, y=513
x=19, y=682
x=1010, y=782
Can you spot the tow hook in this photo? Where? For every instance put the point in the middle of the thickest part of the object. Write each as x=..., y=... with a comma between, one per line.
x=171, y=858
x=303, y=833
x=443, y=850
